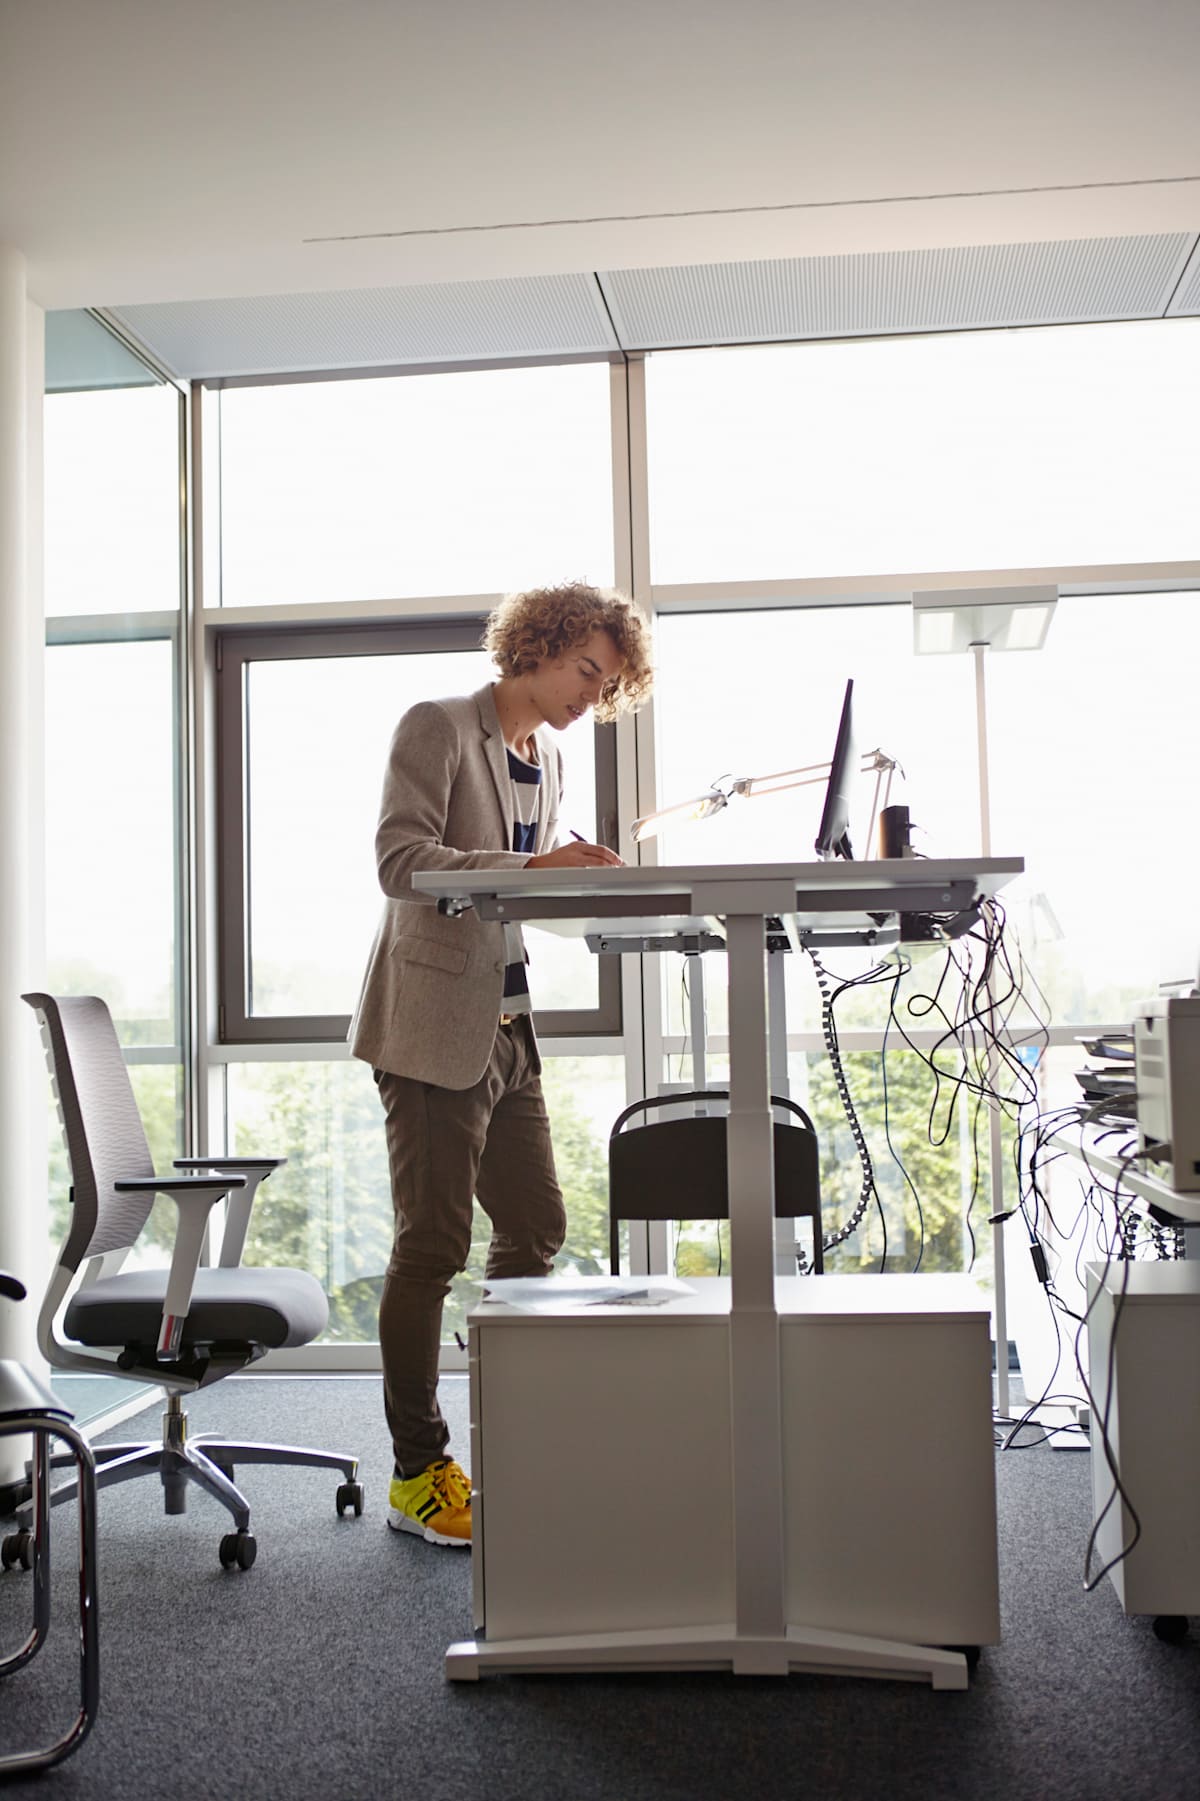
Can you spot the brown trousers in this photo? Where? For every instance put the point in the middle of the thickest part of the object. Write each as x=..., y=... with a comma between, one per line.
x=446, y=1146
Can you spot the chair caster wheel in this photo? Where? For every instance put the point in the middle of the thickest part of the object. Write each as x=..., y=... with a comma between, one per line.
x=238, y=1550
x=1172, y=1628
x=17, y=1549
x=350, y=1495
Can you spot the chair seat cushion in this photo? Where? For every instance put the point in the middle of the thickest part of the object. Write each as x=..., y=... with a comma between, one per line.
x=272, y=1307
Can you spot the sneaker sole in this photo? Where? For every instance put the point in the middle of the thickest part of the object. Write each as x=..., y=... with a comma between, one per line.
x=404, y=1522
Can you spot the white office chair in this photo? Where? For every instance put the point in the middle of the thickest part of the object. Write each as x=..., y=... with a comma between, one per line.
x=181, y=1327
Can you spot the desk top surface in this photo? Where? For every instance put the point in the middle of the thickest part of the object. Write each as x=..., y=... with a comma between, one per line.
x=1176, y=1282
x=672, y=883
x=1087, y=1146
x=828, y=1299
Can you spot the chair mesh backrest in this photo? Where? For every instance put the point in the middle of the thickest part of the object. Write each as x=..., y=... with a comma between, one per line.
x=101, y=1123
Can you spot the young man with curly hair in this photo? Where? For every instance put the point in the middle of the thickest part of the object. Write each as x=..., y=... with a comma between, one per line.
x=444, y=1016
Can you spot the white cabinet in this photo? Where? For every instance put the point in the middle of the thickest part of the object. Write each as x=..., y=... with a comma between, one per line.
x=601, y=1456
x=1144, y=1355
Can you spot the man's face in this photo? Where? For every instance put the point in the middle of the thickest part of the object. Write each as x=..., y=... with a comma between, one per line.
x=569, y=687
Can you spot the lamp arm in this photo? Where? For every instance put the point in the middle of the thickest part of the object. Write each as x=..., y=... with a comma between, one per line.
x=782, y=778
x=872, y=762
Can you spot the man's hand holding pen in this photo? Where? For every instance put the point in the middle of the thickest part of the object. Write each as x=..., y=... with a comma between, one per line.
x=577, y=855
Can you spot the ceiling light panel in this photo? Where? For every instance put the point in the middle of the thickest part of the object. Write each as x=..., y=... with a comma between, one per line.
x=953, y=289
x=449, y=322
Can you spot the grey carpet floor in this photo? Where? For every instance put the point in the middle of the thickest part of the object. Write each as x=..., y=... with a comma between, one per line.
x=319, y=1672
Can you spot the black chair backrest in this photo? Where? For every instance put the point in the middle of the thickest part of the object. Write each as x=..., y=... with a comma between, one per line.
x=101, y=1122
x=677, y=1168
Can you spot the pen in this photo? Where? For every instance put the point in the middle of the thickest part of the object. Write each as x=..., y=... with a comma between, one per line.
x=578, y=836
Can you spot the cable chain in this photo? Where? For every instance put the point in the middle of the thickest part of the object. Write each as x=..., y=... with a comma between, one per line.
x=831, y=1239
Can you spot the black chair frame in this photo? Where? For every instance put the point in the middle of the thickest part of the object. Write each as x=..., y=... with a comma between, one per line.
x=674, y=1169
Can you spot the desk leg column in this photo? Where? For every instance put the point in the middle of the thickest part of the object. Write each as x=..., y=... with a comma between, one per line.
x=754, y=1325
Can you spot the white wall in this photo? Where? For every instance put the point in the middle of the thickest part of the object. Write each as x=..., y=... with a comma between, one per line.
x=23, y=1201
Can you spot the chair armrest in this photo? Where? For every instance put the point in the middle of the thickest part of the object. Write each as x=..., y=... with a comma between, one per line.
x=10, y=1287
x=195, y=1197
x=265, y=1164
x=237, y=1214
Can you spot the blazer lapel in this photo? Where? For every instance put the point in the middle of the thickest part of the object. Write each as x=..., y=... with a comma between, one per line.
x=497, y=759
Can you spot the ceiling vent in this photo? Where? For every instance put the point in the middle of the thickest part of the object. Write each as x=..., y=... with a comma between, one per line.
x=448, y=322
x=1187, y=299
x=1081, y=280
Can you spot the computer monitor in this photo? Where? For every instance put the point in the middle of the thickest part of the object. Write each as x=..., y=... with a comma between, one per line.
x=833, y=839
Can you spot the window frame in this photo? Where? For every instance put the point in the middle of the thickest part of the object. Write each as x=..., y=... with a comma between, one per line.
x=234, y=650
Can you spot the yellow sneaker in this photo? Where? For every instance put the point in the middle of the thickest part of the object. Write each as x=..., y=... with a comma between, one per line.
x=436, y=1505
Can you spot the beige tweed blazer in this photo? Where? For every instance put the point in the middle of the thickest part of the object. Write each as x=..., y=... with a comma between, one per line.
x=432, y=992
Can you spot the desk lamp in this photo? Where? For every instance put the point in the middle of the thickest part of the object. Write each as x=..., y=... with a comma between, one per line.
x=873, y=762
x=979, y=620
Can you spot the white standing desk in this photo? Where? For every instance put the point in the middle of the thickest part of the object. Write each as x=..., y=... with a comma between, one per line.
x=808, y=897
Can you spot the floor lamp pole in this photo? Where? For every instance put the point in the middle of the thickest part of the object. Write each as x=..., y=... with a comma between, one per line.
x=995, y=1149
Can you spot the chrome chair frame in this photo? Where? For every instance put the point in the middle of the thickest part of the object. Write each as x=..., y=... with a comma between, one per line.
x=28, y=1407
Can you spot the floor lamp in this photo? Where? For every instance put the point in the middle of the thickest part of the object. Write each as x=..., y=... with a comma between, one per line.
x=979, y=620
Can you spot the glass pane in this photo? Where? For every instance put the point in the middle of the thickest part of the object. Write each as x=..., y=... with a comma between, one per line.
x=82, y=354
x=929, y=1159
x=470, y=483
x=1095, y=741
x=965, y=450
x=329, y=1210
x=110, y=831
x=111, y=897
x=1076, y=1225
x=583, y=1097
x=783, y=675
x=112, y=501
x=317, y=742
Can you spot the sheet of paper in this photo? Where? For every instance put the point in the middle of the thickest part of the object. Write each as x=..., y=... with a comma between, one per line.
x=539, y=1294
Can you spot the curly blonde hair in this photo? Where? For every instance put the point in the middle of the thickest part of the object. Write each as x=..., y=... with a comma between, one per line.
x=542, y=624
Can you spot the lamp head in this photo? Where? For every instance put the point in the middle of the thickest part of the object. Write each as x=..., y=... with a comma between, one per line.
x=702, y=807
x=959, y=619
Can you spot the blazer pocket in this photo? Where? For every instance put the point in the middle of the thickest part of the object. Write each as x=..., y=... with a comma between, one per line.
x=447, y=957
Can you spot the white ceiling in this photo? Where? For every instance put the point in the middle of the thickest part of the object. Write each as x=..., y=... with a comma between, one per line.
x=156, y=151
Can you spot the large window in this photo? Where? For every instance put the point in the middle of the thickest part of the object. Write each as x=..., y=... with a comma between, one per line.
x=305, y=725
x=1092, y=748
x=908, y=458
x=969, y=450
x=467, y=483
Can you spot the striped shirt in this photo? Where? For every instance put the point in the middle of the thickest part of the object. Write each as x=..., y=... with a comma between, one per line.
x=526, y=779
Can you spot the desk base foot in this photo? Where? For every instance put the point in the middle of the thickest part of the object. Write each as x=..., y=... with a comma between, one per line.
x=718, y=1647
